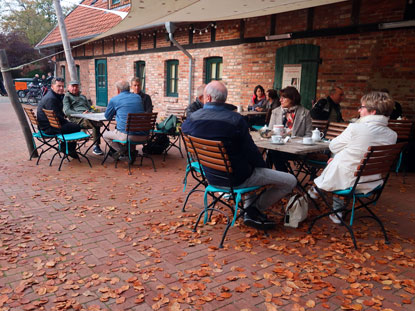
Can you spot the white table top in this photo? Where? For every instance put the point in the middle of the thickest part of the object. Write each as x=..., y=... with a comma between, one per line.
x=293, y=146
x=93, y=116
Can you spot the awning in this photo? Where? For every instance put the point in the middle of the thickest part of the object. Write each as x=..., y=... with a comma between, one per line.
x=145, y=13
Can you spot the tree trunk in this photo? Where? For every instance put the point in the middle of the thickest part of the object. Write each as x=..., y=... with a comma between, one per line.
x=17, y=106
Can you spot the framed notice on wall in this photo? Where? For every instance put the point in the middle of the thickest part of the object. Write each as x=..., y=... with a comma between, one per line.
x=291, y=76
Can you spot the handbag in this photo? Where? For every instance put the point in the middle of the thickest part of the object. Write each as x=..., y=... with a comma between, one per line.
x=296, y=210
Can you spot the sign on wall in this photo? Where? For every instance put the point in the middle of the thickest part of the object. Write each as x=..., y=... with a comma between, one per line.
x=291, y=76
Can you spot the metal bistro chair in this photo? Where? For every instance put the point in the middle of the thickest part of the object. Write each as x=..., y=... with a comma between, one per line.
x=405, y=130
x=174, y=136
x=212, y=155
x=193, y=167
x=64, y=139
x=46, y=140
x=137, y=122
x=375, y=165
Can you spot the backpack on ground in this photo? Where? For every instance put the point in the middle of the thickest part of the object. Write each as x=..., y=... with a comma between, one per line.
x=168, y=125
x=157, y=144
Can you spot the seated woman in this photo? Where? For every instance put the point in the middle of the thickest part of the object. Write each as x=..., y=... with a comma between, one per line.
x=296, y=120
x=272, y=102
x=258, y=99
x=350, y=146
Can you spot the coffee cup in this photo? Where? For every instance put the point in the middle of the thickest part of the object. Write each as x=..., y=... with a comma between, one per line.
x=307, y=140
x=278, y=129
x=276, y=139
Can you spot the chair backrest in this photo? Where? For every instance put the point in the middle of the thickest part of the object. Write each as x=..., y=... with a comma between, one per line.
x=404, y=128
x=321, y=125
x=378, y=162
x=179, y=112
x=190, y=151
x=53, y=120
x=211, y=154
x=334, y=129
x=140, y=122
x=32, y=118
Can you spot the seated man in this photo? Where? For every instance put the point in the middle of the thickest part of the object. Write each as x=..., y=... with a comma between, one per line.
x=74, y=102
x=198, y=103
x=120, y=106
x=350, y=146
x=53, y=101
x=329, y=108
x=216, y=121
x=136, y=89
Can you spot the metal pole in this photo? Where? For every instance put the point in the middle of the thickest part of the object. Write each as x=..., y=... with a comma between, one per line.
x=17, y=106
x=170, y=27
x=65, y=40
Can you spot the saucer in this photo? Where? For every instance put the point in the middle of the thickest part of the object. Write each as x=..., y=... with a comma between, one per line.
x=280, y=143
x=309, y=144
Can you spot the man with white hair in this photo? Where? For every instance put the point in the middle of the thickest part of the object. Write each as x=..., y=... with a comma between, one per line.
x=217, y=121
x=120, y=106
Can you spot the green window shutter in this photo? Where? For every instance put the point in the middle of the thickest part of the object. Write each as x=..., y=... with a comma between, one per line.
x=78, y=73
x=308, y=56
x=172, y=78
x=140, y=72
x=214, y=67
x=63, y=74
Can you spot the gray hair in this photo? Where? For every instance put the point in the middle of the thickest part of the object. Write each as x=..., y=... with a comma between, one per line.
x=123, y=86
x=381, y=102
x=217, y=91
x=334, y=89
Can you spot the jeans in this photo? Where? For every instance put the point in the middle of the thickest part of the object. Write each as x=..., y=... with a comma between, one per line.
x=337, y=203
x=282, y=184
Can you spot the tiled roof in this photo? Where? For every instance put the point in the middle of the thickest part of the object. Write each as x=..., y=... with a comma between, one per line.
x=84, y=22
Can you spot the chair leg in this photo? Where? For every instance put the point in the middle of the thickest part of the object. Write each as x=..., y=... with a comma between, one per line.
x=85, y=158
x=190, y=192
x=382, y=227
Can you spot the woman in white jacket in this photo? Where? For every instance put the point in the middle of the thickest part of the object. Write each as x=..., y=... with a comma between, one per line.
x=350, y=146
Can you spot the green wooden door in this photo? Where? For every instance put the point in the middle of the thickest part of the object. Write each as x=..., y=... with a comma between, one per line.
x=308, y=56
x=101, y=83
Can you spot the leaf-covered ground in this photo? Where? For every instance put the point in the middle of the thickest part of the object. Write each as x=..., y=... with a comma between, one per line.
x=99, y=239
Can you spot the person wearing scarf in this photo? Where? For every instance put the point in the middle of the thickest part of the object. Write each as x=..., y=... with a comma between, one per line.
x=296, y=120
x=259, y=100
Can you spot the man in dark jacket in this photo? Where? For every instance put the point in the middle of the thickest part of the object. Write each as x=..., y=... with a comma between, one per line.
x=146, y=99
x=218, y=121
x=329, y=108
x=198, y=103
x=53, y=101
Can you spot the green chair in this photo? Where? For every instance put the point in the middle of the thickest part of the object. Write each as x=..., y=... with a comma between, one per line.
x=137, y=122
x=212, y=155
x=375, y=166
x=47, y=141
x=64, y=139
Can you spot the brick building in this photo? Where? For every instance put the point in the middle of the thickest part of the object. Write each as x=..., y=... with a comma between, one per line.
x=359, y=45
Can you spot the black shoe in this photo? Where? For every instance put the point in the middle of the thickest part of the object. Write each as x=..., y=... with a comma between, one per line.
x=255, y=219
x=73, y=154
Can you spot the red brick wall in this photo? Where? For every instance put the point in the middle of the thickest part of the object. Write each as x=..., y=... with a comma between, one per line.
x=357, y=63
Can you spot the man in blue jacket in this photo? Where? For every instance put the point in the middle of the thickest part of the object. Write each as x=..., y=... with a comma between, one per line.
x=120, y=106
x=217, y=121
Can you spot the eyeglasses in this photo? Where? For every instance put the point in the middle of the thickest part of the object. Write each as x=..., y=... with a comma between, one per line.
x=361, y=107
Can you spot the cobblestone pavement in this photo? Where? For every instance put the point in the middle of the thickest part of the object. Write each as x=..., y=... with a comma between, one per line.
x=100, y=239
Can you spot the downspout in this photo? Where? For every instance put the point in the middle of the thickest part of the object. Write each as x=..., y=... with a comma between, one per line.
x=171, y=27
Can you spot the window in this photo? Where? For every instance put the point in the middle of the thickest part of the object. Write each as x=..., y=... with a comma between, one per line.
x=78, y=73
x=140, y=72
x=63, y=73
x=213, y=69
x=115, y=2
x=172, y=78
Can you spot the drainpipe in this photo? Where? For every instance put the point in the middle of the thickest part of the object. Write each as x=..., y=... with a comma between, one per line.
x=171, y=27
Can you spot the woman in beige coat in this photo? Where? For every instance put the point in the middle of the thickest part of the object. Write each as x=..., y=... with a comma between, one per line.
x=350, y=146
x=295, y=118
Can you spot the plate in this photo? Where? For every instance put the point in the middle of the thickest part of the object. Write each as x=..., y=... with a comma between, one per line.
x=281, y=143
x=311, y=144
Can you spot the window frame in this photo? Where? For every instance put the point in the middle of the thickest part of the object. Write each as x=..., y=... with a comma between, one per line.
x=63, y=74
x=169, y=91
x=208, y=65
x=78, y=73
x=141, y=75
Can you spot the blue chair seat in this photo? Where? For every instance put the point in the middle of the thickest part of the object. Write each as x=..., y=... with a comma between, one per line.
x=257, y=127
x=239, y=192
x=73, y=136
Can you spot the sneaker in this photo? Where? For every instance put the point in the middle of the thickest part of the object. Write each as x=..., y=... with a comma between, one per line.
x=312, y=192
x=97, y=150
x=255, y=219
x=335, y=219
